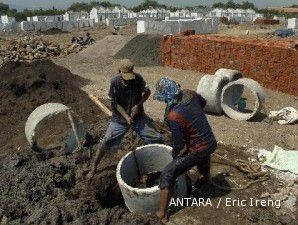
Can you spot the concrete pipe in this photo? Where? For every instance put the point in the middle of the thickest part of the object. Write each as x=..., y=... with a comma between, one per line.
x=210, y=88
x=150, y=158
x=74, y=140
x=232, y=75
x=228, y=98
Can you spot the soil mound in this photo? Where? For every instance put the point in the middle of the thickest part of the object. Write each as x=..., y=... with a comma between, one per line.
x=54, y=31
x=40, y=189
x=49, y=187
x=142, y=50
x=25, y=86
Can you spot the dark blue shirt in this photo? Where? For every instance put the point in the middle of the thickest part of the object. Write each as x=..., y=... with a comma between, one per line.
x=126, y=94
x=189, y=125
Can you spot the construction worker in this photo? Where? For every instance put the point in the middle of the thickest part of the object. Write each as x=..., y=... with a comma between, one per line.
x=128, y=92
x=192, y=138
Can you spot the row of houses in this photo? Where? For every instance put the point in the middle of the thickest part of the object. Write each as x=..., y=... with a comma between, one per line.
x=239, y=15
x=121, y=14
x=101, y=14
x=7, y=24
x=68, y=16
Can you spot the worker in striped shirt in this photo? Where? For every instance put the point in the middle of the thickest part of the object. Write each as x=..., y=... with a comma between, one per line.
x=192, y=138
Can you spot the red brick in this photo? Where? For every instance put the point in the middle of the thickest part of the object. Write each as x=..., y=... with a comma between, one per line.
x=271, y=62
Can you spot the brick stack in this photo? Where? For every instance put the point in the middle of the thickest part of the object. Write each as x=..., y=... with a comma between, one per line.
x=273, y=63
x=266, y=22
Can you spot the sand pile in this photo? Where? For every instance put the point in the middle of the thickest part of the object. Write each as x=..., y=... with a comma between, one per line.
x=142, y=50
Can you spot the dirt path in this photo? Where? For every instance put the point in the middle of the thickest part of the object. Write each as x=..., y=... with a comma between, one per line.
x=97, y=64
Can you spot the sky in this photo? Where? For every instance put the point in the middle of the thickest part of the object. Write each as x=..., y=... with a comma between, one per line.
x=62, y=4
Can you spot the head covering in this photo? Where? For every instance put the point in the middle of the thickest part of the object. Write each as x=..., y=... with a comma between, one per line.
x=166, y=90
x=127, y=70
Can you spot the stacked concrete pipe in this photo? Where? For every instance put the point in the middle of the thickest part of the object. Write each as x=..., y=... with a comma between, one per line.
x=223, y=90
x=210, y=88
x=232, y=75
x=150, y=158
x=228, y=98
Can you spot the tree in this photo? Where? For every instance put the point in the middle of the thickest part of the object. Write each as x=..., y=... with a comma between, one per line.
x=80, y=6
x=247, y=5
x=231, y=4
x=4, y=8
x=148, y=4
x=218, y=5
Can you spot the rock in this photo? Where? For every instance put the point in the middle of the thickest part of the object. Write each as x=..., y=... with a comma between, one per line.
x=264, y=195
x=4, y=220
x=31, y=48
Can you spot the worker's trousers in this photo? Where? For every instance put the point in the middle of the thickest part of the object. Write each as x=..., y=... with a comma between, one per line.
x=143, y=126
x=182, y=164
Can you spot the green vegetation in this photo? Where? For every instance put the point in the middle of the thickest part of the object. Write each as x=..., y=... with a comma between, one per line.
x=151, y=4
x=268, y=13
x=83, y=6
x=5, y=9
x=232, y=5
x=39, y=12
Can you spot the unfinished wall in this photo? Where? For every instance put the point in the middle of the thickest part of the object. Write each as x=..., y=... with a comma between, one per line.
x=201, y=26
x=120, y=21
x=293, y=23
x=273, y=63
x=62, y=25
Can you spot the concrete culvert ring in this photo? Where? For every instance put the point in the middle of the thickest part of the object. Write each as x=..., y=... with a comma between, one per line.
x=150, y=158
x=41, y=114
x=228, y=98
x=210, y=88
x=232, y=75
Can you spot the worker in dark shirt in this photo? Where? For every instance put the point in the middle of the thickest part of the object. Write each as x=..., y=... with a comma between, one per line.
x=192, y=138
x=128, y=91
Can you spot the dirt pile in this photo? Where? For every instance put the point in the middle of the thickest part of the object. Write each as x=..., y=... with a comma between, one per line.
x=25, y=86
x=49, y=187
x=52, y=190
x=142, y=50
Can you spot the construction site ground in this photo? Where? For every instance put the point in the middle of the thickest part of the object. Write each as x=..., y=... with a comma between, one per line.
x=50, y=188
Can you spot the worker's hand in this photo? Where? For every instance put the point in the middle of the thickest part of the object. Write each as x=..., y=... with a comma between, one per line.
x=129, y=120
x=134, y=111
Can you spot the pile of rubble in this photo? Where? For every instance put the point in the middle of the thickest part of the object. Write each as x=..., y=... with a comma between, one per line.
x=31, y=48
